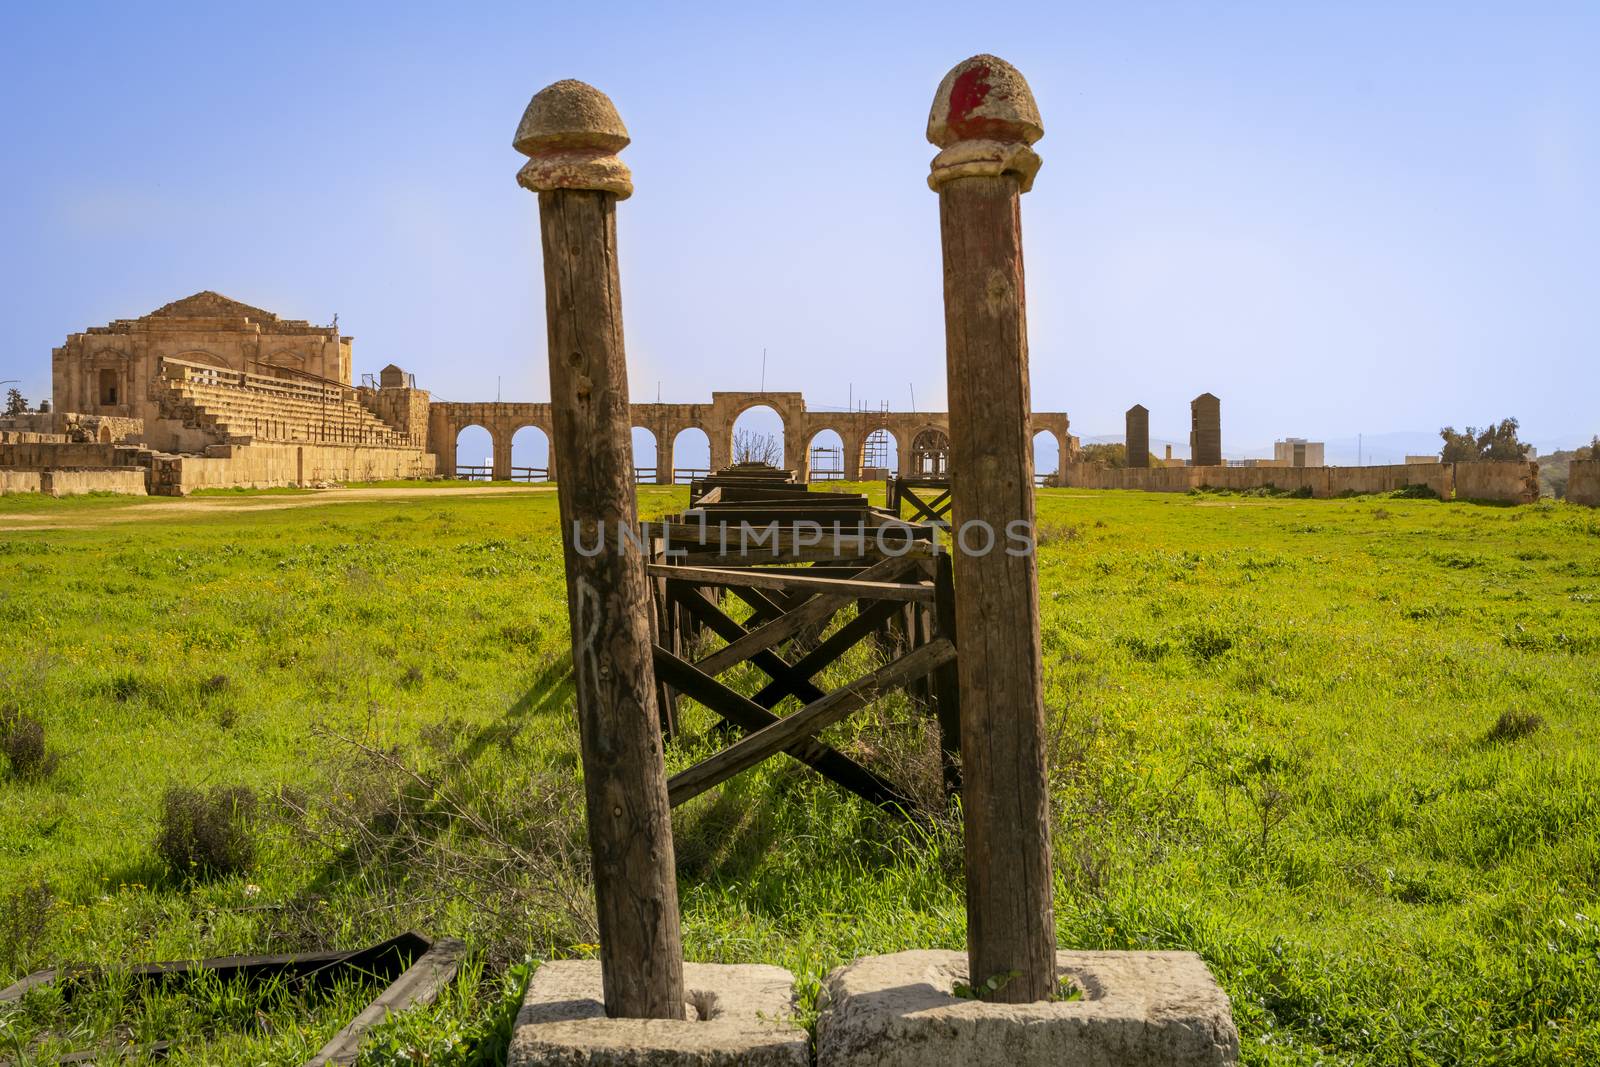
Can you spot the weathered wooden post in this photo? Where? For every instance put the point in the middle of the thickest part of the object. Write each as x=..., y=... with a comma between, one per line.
x=571, y=134
x=983, y=120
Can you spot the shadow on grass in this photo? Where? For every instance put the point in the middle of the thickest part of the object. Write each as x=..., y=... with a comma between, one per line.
x=425, y=810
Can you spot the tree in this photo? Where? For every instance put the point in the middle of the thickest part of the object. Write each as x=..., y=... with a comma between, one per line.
x=1105, y=455
x=1497, y=442
x=1501, y=443
x=16, y=403
x=1590, y=450
x=1458, y=447
x=752, y=447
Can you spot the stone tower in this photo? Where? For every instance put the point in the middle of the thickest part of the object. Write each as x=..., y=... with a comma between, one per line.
x=1137, y=436
x=1205, y=434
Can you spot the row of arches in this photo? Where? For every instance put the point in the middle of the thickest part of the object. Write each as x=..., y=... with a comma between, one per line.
x=691, y=451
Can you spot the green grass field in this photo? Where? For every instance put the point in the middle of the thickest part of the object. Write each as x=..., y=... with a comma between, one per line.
x=1347, y=750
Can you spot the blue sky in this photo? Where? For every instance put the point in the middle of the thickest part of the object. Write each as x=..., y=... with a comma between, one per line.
x=1342, y=219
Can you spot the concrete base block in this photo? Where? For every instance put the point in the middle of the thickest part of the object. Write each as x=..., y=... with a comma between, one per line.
x=1150, y=1009
x=740, y=1014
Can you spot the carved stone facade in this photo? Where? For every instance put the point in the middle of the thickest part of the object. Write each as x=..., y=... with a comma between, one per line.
x=209, y=376
x=116, y=369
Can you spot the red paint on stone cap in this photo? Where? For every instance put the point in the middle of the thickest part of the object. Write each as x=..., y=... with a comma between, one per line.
x=984, y=99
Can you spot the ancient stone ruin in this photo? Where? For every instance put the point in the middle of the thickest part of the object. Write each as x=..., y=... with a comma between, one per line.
x=211, y=392
x=1137, y=436
x=1205, y=434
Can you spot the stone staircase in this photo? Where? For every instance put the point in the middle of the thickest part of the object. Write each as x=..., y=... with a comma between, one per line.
x=233, y=407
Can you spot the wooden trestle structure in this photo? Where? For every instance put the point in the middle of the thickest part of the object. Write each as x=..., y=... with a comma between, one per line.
x=927, y=498
x=798, y=558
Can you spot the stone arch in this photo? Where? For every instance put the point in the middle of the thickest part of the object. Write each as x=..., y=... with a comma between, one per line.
x=474, y=455
x=760, y=431
x=1046, y=456
x=201, y=356
x=930, y=453
x=645, y=450
x=692, y=454
x=827, y=461
x=288, y=359
x=530, y=453
x=881, y=449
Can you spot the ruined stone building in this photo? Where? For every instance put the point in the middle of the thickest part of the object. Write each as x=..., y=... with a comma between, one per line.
x=208, y=392
x=1205, y=433
x=1298, y=452
x=1136, y=438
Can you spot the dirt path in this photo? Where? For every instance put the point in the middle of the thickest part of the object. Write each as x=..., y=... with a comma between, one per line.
x=164, y=508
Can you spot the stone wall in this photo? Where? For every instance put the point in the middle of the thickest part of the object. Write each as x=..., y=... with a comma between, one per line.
x=272, y=466
x=12, y=481
x=1322, y=482
x=1440, y=477
x=1583, y=482
x=1514, y=482
x=29, y=437
x=52, y=454
x=402, y=408
x=125, y=481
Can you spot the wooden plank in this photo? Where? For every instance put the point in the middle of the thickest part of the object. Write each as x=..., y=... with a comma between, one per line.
x=916, y=539
x=383, y=958
x=420, y=984
x=745, y=714
x=18, y=989
x=805, y=723
x=752, y=579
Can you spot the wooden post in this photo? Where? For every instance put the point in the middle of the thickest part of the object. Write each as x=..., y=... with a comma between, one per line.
x=571, y=132
x=983, y=119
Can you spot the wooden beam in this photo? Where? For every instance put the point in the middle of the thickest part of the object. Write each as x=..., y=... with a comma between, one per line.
x=792, y=580
x=796, y=680
x=420, y=984
x=743, y=713
x=805, y=723
x=608, y=596
x=786, y=626
x=1006, y=801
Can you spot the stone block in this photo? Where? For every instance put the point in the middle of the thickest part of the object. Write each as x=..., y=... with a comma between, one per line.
x=737, y=1014
x=1150, y=1009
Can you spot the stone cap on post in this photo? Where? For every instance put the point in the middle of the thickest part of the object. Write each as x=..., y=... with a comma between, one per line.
x=572, y=133
x=984, y=118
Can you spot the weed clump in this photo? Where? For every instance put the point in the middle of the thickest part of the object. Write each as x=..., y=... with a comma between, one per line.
x=24, y=920
x=1414, y=492
x=23, y=742
x=207, y=835
x=1050, y=533
x=1514, y=725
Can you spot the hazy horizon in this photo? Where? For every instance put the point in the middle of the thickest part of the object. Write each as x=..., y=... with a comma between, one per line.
x=1341, y=222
